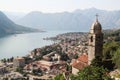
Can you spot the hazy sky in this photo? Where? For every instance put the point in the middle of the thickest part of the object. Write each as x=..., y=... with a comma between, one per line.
x=56, y=5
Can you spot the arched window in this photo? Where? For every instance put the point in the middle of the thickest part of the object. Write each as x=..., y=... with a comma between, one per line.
x=91, y=39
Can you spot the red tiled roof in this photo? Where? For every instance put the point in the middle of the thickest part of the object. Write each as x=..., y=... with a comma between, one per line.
x=81, y=62
x=83, y=58
x=79, y=65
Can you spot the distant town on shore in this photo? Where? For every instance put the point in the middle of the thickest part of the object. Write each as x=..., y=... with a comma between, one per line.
x=73, y=56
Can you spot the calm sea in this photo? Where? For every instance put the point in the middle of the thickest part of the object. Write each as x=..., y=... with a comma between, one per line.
x=22, y=44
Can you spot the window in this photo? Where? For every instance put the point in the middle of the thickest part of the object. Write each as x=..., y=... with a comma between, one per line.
x=91, y=39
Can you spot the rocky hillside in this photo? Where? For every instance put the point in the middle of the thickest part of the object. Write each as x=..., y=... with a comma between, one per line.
x=9, y=27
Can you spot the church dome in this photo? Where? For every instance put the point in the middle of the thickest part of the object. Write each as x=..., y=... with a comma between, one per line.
x=96, y=27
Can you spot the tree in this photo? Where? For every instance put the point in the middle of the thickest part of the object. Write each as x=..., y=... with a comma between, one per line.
x=109, y=49
x=97, y=61
x=75, y=56
x=59, y=77
x=64, y=57
x=20, y=70
x=4, y=60
x=111, y=55
x=116, y=58
x=11, y=59
x=92, y=73
x=68, y=67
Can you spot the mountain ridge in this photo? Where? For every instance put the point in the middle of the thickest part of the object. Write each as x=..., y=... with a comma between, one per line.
x=79, y=20
x=9, y=27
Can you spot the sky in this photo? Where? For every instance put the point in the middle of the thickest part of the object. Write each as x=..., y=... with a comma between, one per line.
x=57, y=5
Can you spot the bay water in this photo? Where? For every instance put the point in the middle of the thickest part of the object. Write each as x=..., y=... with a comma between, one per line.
x=23, y=44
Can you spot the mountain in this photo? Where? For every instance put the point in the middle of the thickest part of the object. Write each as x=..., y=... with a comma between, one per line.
x=79, y=20
x=14, y=15
x=9, y=27
x=54, y=21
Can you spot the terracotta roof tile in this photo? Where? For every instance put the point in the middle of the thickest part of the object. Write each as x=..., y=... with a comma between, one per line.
x=81, y=62
x=83, y=58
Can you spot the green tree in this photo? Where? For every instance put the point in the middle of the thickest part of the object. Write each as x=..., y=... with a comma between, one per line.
x=64, y=57
x=109, y=49
x=68, y=67
x=59, y=77
x=19, y=69
x=97, y=62
x=75, y=56
x=4, y=60
x=92, y=73
x=116, y=58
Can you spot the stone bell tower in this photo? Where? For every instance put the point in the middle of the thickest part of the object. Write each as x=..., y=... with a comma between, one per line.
x=95, y=46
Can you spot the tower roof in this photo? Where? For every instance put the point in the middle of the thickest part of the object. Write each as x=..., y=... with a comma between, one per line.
x=96, y=27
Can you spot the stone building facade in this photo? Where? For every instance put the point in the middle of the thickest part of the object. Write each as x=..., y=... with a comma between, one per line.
x=18, y=62
x=95, y=47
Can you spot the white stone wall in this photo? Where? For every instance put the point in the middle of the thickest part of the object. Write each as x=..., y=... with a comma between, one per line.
x=74, y=71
